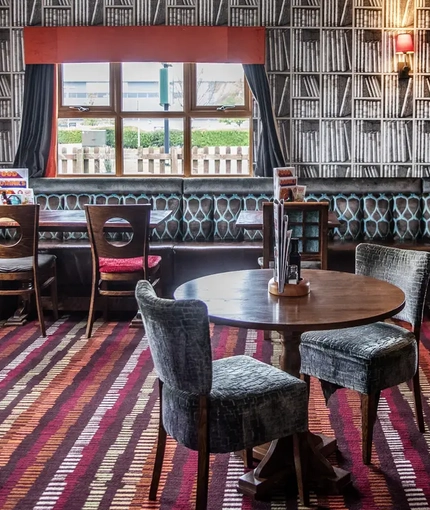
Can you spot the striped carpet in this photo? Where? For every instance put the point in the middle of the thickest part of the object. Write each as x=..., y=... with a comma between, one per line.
x=78, y=421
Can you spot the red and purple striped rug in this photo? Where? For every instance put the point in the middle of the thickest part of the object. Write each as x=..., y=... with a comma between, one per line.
x=78, y=424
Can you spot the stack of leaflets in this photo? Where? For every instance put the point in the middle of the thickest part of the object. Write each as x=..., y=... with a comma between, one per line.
x=282, y=244
x=14, y=187
x=285, y=185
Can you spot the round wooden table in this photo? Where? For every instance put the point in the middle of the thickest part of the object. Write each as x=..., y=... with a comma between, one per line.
x=336, y=300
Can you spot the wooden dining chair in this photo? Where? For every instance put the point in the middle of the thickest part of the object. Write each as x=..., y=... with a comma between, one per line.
x=119, y=260
x=220, y=406
x=23, y=271
x=371, y=358
x=309, y=223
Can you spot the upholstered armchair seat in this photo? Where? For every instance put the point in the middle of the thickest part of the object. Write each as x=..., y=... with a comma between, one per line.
x=366, y=358
x=371, y=358
x=248, y=405
x=23, y=264
x=216, y=406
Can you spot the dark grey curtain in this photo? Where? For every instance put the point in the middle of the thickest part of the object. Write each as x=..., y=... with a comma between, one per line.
x=36, y=123
x=269, y=153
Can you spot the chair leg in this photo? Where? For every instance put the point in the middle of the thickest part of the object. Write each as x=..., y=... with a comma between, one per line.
x=300, y=462
x=369, y=407
x=307, y=379
x=91, y=311
x=54, y=294
x=38, y=298
x=249, y=458
x=203, y=459
x=418, y=402
x=159, y=456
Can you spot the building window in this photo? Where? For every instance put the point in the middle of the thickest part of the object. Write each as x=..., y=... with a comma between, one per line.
x=153, y=119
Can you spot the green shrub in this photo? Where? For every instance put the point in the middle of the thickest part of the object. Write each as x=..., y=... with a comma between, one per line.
x=233, y=138
x=200, y=138
x=74, y=136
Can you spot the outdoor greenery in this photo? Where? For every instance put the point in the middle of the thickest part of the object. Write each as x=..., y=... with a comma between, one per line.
x=201, y=138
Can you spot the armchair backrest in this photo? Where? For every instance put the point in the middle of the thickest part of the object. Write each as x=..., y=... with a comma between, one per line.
x=179, y=340
x=27, y=218
x=407, y=269
x=309, y=223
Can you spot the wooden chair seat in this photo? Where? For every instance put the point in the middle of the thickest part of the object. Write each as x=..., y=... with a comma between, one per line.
x=109, y=265
x=20, y=262
x=119, y=261
x=24, y=264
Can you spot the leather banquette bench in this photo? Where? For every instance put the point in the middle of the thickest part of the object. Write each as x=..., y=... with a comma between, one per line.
x=201, y=236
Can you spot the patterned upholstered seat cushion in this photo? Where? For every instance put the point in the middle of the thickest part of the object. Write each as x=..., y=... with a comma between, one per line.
x=250, y=403
x=45, y=261
x=109, y=265
x=366, y=358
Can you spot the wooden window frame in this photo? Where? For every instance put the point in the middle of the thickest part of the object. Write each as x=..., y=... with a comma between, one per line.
x=190, y=111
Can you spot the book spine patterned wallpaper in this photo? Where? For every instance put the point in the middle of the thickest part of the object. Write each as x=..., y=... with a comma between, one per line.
x=341, y=109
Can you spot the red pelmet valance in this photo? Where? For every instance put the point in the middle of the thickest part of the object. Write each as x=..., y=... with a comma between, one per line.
x=61, y=45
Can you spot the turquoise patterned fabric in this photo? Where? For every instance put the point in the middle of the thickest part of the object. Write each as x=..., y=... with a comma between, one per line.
x=407, y=212
x=197, y=218
x=425, y=216
x=169, y=230
x=348, y=210
x=253, y=202
x=377, y=217
x=50, y=202
x=212, y=216
x=226, y=211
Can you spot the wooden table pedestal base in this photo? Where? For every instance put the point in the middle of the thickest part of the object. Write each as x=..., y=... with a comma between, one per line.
x=276, y=468
x=277, y=459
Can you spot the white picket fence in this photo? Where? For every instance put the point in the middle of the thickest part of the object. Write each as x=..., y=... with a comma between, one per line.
x=73, y=159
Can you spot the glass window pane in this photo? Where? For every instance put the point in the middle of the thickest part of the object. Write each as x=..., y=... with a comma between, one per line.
x=220, y=84
x=149, y=86
x=153, y=146
x=86, y=146
x=86, y=84
x=220, y=146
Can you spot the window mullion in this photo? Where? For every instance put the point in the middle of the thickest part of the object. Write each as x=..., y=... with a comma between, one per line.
x=117, y=107
x=189, y=96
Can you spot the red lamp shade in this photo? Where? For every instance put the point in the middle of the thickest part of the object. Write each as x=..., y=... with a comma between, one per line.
x=404, y=43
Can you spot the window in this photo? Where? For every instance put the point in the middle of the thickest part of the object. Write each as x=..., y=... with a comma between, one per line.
x=153, y=119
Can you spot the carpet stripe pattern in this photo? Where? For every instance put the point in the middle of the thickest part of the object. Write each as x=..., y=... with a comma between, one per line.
x=78, y=428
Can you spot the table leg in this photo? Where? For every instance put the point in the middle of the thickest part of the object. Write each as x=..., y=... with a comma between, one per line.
x=136, y=321
x=289, y=360
x=277, y=462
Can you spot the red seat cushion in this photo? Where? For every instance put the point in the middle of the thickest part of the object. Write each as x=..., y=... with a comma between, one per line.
x=108, y=265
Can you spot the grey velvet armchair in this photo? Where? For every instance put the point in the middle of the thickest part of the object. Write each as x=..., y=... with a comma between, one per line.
x=374, y=357
x=217, y=406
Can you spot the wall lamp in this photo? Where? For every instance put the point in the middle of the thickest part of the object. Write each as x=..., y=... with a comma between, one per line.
x=405, y=45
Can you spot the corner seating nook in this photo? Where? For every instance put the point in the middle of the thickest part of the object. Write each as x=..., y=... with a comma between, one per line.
x=201, y=236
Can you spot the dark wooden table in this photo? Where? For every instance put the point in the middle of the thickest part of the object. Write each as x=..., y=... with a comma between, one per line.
x=337, y=300
x=75, y=221
x=253, y=220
